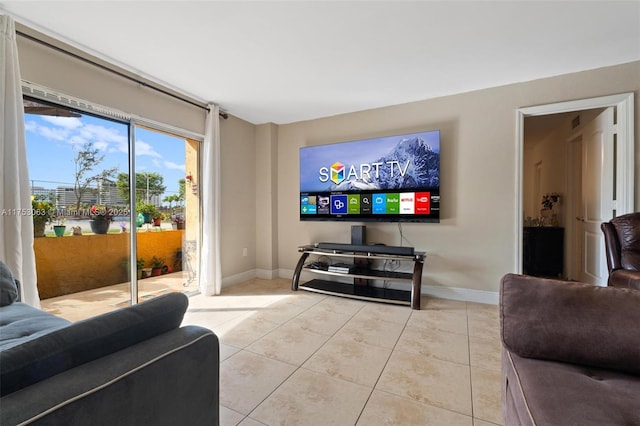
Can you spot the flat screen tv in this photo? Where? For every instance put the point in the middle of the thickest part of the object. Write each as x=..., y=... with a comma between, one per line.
x=387, y=179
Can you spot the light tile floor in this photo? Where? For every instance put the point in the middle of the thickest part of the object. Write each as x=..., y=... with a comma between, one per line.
x=300, y=358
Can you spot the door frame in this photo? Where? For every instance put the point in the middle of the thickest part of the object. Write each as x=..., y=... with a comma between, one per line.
x=625, y=158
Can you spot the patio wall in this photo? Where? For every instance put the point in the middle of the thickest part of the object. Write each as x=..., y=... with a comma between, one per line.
x=71, y=264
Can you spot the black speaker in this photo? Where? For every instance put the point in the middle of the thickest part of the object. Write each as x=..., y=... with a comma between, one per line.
x=359, y=235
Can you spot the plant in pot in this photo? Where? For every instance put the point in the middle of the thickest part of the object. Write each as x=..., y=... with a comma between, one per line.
x=156, y=265
x=59, y=227
x=178, y=221
x=147, y=210
x=547, y=213
x=157, y=218
x=101, y=217
x=42, y=212
x=139, y=266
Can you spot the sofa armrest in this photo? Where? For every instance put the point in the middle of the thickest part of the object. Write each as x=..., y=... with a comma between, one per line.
x=86, y=340
x=612, y=246
x=571, y=322
x=170, y=379
x=625, y=279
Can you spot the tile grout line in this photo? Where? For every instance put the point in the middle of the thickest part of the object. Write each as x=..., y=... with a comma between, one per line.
x=373, y=388
x=297, y=367
x=466, y=305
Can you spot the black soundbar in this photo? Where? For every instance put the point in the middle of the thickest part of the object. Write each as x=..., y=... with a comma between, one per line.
x=364, y=248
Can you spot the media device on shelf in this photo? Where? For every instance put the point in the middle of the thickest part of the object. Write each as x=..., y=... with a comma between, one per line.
x=387, y=179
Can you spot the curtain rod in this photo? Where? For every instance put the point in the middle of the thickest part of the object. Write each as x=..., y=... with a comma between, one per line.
x=224, y=115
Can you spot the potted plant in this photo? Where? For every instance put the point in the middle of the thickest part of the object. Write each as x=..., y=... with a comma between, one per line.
x=157, y=218
x=43, y=212
x=547, y=213
x=147, y=210
x=101, y=218
x=139, y=266
x=156, y=265
x=178, y=221
x=59, y=227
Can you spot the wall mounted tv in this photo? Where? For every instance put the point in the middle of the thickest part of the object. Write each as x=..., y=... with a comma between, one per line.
x=387, y=179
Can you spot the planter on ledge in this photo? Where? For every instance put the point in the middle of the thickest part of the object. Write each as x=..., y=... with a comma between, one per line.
x=99, y=226
x=38, y=228
x=59, y=230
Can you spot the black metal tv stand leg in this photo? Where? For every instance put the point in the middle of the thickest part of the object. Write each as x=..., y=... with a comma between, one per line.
x=416, y=285
x=296, y=273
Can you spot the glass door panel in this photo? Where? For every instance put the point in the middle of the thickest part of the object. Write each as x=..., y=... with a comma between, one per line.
x=81, y=219
x=167, y=211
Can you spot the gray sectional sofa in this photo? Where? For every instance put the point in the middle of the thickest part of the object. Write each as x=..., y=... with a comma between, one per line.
x=132, y=366
x=571, y=353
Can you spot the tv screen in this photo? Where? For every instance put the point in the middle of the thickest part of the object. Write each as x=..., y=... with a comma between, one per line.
x=389, y=179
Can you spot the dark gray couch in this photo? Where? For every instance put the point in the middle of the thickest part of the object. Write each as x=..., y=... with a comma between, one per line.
x=571, y=353
x=133, y=366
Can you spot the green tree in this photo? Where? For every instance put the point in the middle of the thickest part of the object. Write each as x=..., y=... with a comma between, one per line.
x=173, y=198
x=85, y=162
x=154, y=180
x=181, y=183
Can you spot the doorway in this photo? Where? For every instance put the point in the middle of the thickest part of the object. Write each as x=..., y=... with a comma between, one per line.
x=617, y=200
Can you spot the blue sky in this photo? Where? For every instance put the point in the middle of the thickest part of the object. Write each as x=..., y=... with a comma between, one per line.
x=53, y=143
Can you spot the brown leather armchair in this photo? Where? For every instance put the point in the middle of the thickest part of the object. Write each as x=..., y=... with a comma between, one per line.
x=622, y=241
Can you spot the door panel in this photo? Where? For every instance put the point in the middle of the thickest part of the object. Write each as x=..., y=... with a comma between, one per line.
x=597, y=194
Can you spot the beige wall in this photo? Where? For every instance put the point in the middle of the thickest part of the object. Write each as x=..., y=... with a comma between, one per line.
x=474, y=244
x=239, y=207
x=266, y=200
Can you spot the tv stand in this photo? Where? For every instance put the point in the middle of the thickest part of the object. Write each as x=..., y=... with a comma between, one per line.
x=362, y=273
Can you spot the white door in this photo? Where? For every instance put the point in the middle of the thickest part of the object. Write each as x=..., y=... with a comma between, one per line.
x=575, y=212
x=597, y=194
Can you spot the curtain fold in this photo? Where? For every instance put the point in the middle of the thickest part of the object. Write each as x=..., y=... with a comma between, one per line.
x=16, y=226
x=210, y=271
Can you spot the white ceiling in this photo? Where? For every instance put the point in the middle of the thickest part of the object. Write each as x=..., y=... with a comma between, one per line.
x=289, y=61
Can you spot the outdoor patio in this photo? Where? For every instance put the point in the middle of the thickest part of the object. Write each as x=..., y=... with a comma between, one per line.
x=85, y=304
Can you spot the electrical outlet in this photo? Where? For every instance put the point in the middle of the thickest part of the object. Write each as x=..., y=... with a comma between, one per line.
x=244, y=252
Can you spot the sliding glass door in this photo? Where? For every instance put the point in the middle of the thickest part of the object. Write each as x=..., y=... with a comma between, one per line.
x=167, y=211
x=98, y=244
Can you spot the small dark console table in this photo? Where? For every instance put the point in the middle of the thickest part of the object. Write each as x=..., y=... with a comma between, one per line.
x=543, y=251
x=361, y=272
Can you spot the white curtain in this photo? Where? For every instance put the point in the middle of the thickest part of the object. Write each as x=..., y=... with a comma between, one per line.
x=210, y=273
x=16, y=227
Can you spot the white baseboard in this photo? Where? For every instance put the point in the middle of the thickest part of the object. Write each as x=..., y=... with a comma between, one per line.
x=266, y=274
x=239, y=278
x=440, y=292
x=464, y=294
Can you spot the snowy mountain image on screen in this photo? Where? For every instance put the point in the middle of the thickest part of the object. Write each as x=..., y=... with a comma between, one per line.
x=423, y=170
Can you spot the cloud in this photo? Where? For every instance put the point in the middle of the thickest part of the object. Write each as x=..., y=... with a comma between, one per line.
x=143, y=148
x=72, y=131
x=174, y=166
x=66, y=122
x=101, y=145
x=53, y=133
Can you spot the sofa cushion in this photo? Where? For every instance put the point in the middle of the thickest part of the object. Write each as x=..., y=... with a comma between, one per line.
x=564, y=321
x=20, y=323
x=552, y=393
x=8, y=286
x=88, y=340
